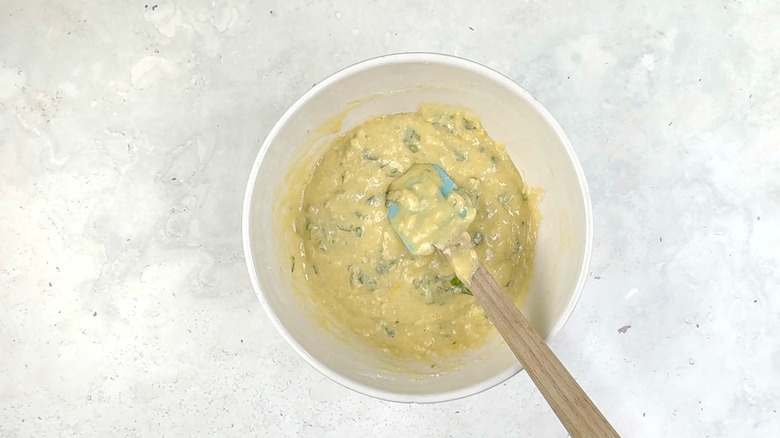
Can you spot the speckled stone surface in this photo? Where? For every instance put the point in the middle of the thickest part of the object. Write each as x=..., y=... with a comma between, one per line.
x=127, y=130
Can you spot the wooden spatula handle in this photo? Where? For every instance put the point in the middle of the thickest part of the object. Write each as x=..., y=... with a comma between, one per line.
x=579, y=415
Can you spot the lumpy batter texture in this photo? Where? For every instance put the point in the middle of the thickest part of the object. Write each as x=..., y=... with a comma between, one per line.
x=358, y=270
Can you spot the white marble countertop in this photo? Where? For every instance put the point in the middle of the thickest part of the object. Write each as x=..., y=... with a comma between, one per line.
x=127, y=130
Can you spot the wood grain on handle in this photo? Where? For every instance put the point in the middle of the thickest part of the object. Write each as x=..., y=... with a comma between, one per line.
x=579, y=415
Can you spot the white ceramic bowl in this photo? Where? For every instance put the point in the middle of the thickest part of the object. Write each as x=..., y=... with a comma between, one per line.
x=397, y=83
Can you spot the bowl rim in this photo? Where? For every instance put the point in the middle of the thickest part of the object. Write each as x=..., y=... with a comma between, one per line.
x=405, y=58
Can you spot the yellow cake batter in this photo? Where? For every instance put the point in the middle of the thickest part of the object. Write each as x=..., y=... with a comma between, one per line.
x=358, y=270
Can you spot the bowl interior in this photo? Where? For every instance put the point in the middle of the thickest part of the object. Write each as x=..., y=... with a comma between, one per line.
x=395, y=84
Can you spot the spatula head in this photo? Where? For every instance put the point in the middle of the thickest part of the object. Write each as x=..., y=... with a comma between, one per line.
x=427, y=210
